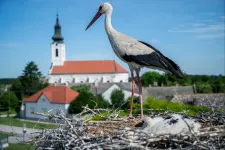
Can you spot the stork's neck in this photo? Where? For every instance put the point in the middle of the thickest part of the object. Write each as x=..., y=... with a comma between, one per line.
x=108, y=25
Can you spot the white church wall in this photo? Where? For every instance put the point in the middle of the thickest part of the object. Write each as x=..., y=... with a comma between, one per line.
x=88, y=78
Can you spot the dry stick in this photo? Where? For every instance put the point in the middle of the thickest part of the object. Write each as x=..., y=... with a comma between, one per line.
x=126, y=140
x=194, y=135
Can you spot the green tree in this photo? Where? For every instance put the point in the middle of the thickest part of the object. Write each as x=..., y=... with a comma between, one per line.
x=17, y=88
x=149, y=78
x=9, y=99
x=218, y=85
x=29, y=82
x=83, y=99
x=171, y=79
x=82, y=87
x=203, y=87
x=136, y=103
x=117, y=97
x=31, y=78
x=102, y=103
x=185, y=81
x=6, y=80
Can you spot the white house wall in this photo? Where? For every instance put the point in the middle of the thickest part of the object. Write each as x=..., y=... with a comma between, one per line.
x=107, y=94
x=88, y=78
x=41, y=105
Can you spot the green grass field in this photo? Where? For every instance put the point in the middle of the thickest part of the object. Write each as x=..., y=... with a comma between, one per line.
x=7, y=112
x=18, y=123
x=20, y=147
x=16, y=146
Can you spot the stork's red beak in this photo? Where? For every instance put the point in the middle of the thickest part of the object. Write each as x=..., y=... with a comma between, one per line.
x=98, y=14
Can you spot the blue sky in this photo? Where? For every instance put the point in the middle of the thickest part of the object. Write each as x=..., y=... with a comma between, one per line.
x=190, y=32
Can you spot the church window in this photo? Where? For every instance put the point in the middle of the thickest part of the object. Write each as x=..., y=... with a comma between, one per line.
x=56, y=53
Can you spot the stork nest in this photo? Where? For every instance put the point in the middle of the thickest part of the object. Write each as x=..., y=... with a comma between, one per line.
x=127, y=133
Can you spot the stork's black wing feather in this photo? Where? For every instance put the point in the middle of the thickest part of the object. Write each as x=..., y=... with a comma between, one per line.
x=155, y=59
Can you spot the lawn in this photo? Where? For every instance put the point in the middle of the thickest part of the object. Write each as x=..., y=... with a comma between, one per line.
x=20, y=147
x=18, y=123
x=7, y=112
x=16, y=146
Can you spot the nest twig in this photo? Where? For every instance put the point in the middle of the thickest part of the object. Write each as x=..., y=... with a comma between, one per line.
x=124, y=133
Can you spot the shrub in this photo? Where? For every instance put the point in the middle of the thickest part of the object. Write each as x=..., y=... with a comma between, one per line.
x=136, y=103
x=117, y=97
x=152, y=103
x=83, y=99
x=102, y=103
x=80, y=88
x=203, y=87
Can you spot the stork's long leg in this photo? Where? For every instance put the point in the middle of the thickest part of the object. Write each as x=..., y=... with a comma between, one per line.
x=132, y=95
x=140, y=92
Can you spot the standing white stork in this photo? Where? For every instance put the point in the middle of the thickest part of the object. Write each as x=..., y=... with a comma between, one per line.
x=136, y=54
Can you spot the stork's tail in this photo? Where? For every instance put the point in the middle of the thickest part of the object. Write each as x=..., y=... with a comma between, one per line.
x=173, y=67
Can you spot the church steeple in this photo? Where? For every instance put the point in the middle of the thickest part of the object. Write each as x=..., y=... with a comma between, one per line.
x=57, y=37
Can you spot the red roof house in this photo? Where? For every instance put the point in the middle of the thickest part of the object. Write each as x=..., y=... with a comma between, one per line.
x=51, y=97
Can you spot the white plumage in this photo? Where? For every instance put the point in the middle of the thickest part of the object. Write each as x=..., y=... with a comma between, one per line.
x=173, y=125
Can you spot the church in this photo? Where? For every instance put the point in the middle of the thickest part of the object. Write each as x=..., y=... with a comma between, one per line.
x=86, y=71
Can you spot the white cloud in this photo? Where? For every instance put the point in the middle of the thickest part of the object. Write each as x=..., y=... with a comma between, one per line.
x=208, y=28
x=197, y=24
x=204, y=29
x=222, y=17
x=211, y=36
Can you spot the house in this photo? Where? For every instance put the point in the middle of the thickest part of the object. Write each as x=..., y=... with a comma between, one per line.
x=106, y=89
x=89, y=71
x=51, y=97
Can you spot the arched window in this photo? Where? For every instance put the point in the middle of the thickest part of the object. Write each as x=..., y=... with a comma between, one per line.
x=56, y=53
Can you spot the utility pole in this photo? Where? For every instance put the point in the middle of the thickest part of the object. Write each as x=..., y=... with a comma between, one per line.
x=9, y=108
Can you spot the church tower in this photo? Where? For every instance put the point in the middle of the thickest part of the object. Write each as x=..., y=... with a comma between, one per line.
x=58, y=46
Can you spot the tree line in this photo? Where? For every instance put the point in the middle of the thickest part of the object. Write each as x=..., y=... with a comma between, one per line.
x=28, y=83
x=203, y=83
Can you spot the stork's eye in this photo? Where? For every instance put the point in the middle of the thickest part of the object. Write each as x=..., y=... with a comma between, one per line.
x=99, y=8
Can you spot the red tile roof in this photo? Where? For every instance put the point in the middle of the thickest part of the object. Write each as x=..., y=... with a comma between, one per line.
x=55, y=94
x=88, y=67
